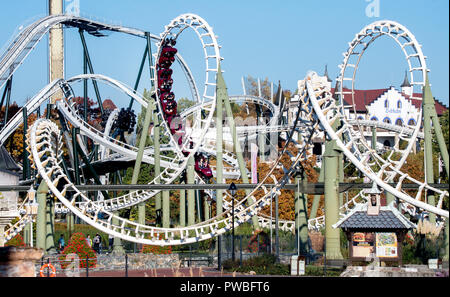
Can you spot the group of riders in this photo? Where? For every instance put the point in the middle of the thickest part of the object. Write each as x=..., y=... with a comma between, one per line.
x=169, y=105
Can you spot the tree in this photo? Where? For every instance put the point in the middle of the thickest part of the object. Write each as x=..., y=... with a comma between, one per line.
x=184, y=103
x=252, y=87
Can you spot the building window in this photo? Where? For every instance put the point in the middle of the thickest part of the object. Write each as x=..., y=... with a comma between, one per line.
x=386, y=103
x=387, y=120
x=412, y=122
x=374, y=119
x=399, y=104
x=399, y=122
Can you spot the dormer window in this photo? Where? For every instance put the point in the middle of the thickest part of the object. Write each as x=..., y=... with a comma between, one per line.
x=373, y=205
x=373, y=200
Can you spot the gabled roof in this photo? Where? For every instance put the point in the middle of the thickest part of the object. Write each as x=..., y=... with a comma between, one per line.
x=388, y=218
x=7, y=163
x=363, y=98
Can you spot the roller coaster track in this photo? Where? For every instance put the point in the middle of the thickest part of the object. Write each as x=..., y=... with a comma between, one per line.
x=317, y=108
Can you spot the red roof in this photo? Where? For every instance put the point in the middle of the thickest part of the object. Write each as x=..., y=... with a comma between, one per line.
x=364, y=98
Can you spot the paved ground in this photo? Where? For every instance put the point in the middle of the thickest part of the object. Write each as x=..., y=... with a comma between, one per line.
x=160, y=272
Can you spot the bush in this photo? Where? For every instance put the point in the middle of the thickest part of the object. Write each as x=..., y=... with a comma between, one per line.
x=259, y=239
x=16, y=241
x=311, y=270
x=418, y=248
x=264, y=264
x=156, y=249
x=77, y=245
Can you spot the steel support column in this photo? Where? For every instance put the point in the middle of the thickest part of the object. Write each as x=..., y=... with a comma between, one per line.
x=445, y=258
x=144, y=134
x=236, y=144
x=221, y=92
x=182, y=208
x=301, y=219
x=428, y=108
x=331, y=166
x=41, y=197
x=157, y=165
x=26, y=161
x=191, y=193
x=87, y=60
x=316, y=200
x=166, y=209
x=138, y=79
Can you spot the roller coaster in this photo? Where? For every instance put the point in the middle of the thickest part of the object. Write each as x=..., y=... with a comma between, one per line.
x=185, y=136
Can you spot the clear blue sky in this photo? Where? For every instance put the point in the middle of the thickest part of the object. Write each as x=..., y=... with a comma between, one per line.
x=280, y=40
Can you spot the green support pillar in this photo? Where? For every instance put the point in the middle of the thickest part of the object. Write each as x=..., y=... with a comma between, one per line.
x=166, y=209
x=374, y=138
x=341, y=178
x=428, y=108
x=205, y=205
x=157, y=165
x=140, y=154
x=183, y=208
x=191, y=193
x=316, y=201
x=117, y=242
x=41, y=197
x=221, y=85
x=144, y=134
x=26, y=161
x=50, y=226
x=41, y=224
x=138, y=79
x=26, y=233
x=262, y=138
x=221, y=92
x=301, y=218
x=445, y=258
x=331, y=166
x=88, y=63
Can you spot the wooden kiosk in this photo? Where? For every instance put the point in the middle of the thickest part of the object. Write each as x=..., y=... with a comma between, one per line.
x=374, y=231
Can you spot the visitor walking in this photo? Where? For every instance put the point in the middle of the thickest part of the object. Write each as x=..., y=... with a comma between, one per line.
x=61, y=243
x=110, y=242
x=96, y=243
x=89, y=240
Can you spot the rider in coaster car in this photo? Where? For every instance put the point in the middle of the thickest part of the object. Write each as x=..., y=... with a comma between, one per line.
x=202, y=166
x=169, y=42
x=165, y=73
x=165, y=63
x=165, y=82
x=191, y=146
x=175, y=123
x=176, y=128
x=167, y=96
x=169, y=107
x=168, y=51
x=165, y=58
